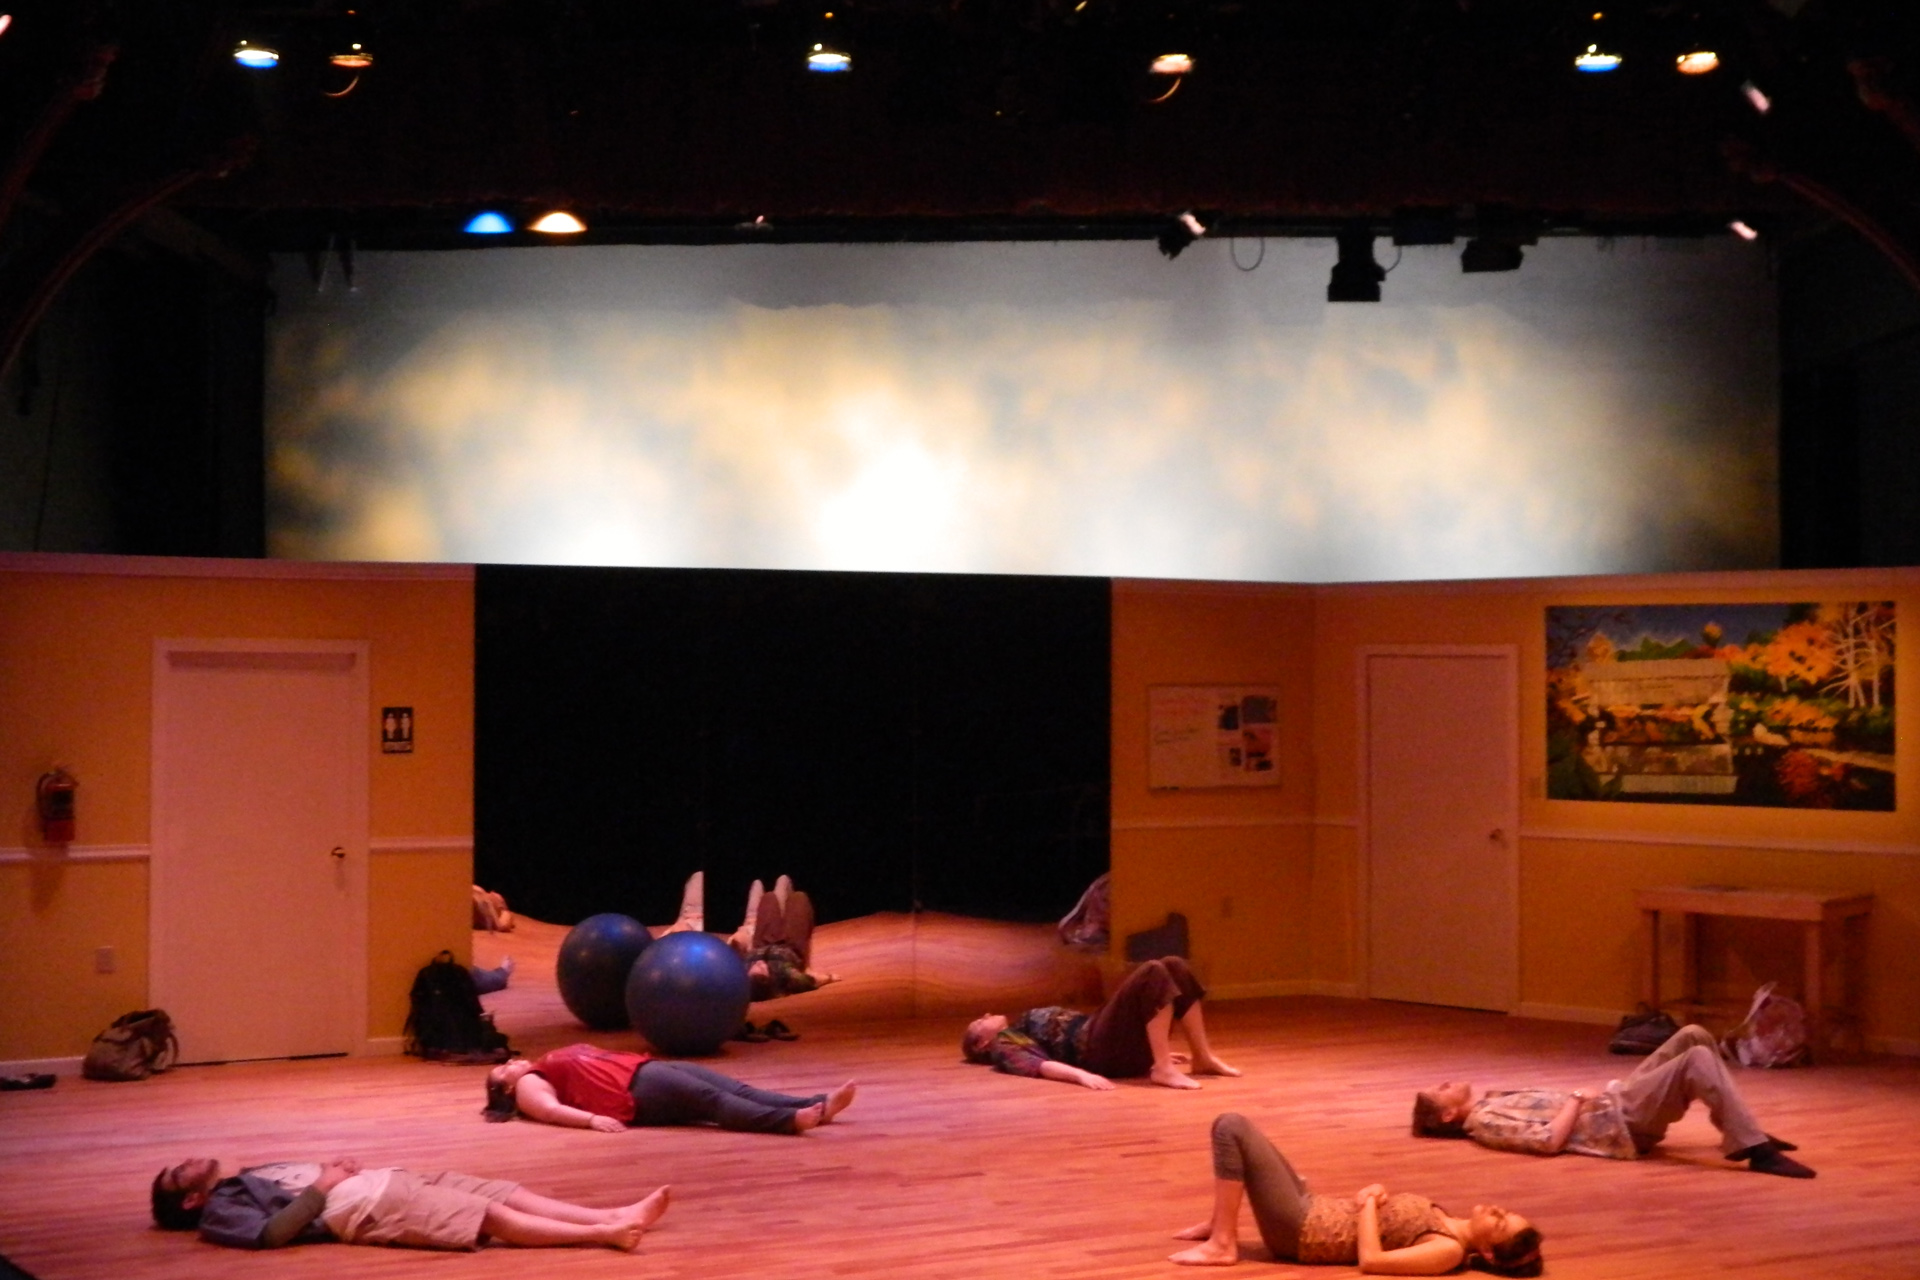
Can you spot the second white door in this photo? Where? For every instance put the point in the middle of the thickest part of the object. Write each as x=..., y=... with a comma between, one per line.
x=1442, y=800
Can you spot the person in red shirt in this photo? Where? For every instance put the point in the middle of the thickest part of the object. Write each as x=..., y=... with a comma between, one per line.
x=586, y=1087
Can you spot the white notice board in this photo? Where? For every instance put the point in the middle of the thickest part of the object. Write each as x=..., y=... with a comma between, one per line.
x=1202, y=735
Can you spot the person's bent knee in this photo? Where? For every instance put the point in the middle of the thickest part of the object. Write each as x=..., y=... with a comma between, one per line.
x=1231, y=1124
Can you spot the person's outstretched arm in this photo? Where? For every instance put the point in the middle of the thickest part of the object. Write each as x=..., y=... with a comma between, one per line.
x=1560, y=1129
x=1433, y=1255
x=1051, y=1070
x=536, y=1099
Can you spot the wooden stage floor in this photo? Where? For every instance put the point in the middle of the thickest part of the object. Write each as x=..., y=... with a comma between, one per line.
x=946, y=1170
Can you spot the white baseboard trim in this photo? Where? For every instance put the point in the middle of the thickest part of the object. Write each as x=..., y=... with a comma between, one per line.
x=38, y=1066
x=1568, y=1013
x=420, y=844
x=72, y=853
x=1281, y=987
x=1894, y=1044
x=384, y=1046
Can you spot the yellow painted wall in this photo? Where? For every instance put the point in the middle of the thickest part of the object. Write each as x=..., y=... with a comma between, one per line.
x=1580, y=861
x=76, y=656
x=1237, y=862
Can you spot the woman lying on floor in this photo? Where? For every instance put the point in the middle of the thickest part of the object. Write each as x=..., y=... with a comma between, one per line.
x=1394, y=1234
x=585, y=1087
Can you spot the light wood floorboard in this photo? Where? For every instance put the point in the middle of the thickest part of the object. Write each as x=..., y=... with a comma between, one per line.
x=946, y=1170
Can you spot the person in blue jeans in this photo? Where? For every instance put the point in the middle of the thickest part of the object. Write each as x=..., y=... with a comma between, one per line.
x=586, y=1087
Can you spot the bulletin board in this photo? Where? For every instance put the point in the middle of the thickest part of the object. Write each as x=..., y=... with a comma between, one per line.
x=1212, y=736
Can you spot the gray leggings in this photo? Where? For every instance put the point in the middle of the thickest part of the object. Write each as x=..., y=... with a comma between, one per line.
x=1279, y=1196
x=687, y=1093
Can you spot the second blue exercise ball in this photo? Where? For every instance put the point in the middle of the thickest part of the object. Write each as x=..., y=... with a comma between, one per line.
x=593, y=964
x=688, y=993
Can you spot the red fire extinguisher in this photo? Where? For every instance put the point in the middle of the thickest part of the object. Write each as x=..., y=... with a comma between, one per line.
x=56, y=806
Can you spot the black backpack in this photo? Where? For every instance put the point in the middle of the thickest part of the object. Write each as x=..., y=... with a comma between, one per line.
x=445, y=1022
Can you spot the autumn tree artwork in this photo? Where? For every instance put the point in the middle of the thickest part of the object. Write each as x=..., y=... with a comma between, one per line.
x=1784, y=705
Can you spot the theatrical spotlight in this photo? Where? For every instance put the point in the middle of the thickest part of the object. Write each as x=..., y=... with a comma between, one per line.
x=558, y=223
x=1595, y=59
x=1697, y=62
x=1741, y=229
x=1172, y=67
x=488, y=223
x=1490, y=253
x=1179, y=233
x=824, y=57
x=1356, y=276
x=353, y=55
x=6, y=20
x=256, y=57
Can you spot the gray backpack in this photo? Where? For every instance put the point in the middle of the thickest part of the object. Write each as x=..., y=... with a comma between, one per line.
x=137, y=1045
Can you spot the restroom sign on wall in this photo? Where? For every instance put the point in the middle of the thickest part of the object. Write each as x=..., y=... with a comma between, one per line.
x=396, y=730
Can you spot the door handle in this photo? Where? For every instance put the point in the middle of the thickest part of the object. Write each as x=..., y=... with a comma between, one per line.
x=339, y=853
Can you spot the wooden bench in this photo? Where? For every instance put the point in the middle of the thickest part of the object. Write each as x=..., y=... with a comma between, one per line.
x=1817, y=912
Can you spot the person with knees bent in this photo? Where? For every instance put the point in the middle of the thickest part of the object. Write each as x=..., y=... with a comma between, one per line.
x=1129, y=1036
x=1625, y=1120
x=1385, y=1233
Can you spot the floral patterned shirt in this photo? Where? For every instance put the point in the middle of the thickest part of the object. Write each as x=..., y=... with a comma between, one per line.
x=1040, y=1036
x=1520, y=1119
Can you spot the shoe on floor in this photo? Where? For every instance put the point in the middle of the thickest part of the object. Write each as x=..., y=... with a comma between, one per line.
x=781, y=1031
x=37, y=1080
x=1779, y=1164
x=750, y=1033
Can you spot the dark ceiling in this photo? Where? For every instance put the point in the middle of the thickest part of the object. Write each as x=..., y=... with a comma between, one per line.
x=696, y=121
x=681, y=119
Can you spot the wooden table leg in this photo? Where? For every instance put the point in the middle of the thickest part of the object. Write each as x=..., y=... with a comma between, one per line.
x=1814, y=995
x=1650, y=928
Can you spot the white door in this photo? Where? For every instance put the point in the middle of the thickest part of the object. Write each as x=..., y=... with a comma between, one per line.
x=1442, y=801
x=259, y=873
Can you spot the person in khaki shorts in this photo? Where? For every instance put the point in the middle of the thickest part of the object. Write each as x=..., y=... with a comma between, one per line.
x=303, y=1201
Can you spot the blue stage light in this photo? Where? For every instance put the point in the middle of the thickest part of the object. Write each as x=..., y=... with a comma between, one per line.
x=488, y=223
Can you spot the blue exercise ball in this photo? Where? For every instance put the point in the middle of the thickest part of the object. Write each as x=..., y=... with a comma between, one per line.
x=688, y=993
x=593, y=965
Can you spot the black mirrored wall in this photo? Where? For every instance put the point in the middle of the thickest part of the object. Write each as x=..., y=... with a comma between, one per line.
x=891, y=741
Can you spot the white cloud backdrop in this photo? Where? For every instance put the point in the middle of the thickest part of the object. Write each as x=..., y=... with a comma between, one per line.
x=1030, y=408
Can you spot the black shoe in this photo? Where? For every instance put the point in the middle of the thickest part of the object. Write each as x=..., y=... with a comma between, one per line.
x=781, y=1031
x=38, y=1080
x=750, y=1033
x=1779, y=1165
x=1781, y=1144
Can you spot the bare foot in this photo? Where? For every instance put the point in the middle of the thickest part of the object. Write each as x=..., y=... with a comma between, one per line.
x=644, y=1213
x=1172, y=1079
x=622, y=1235
x=809, y=1117
x=1199, y=1231
x=1215, y=1067
x=839, y=1100
x=1208, y=1253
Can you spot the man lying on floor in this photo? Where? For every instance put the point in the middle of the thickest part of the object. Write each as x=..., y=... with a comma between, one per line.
x=1626, y=1119
x=305, y=1202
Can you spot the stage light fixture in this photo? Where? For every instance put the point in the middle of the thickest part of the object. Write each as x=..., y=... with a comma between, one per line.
x=559, y=223
x=488, y=223
x=1596, y=60
x=1756, y=97
x=1697, y=62
x=1491, y=253
x=1171, y=64
x=825, y=58
x=1742, y=230
x=1179, y=233
x=256, y=57
x=1356, y=276
x=6, y=20
x=353, y=55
